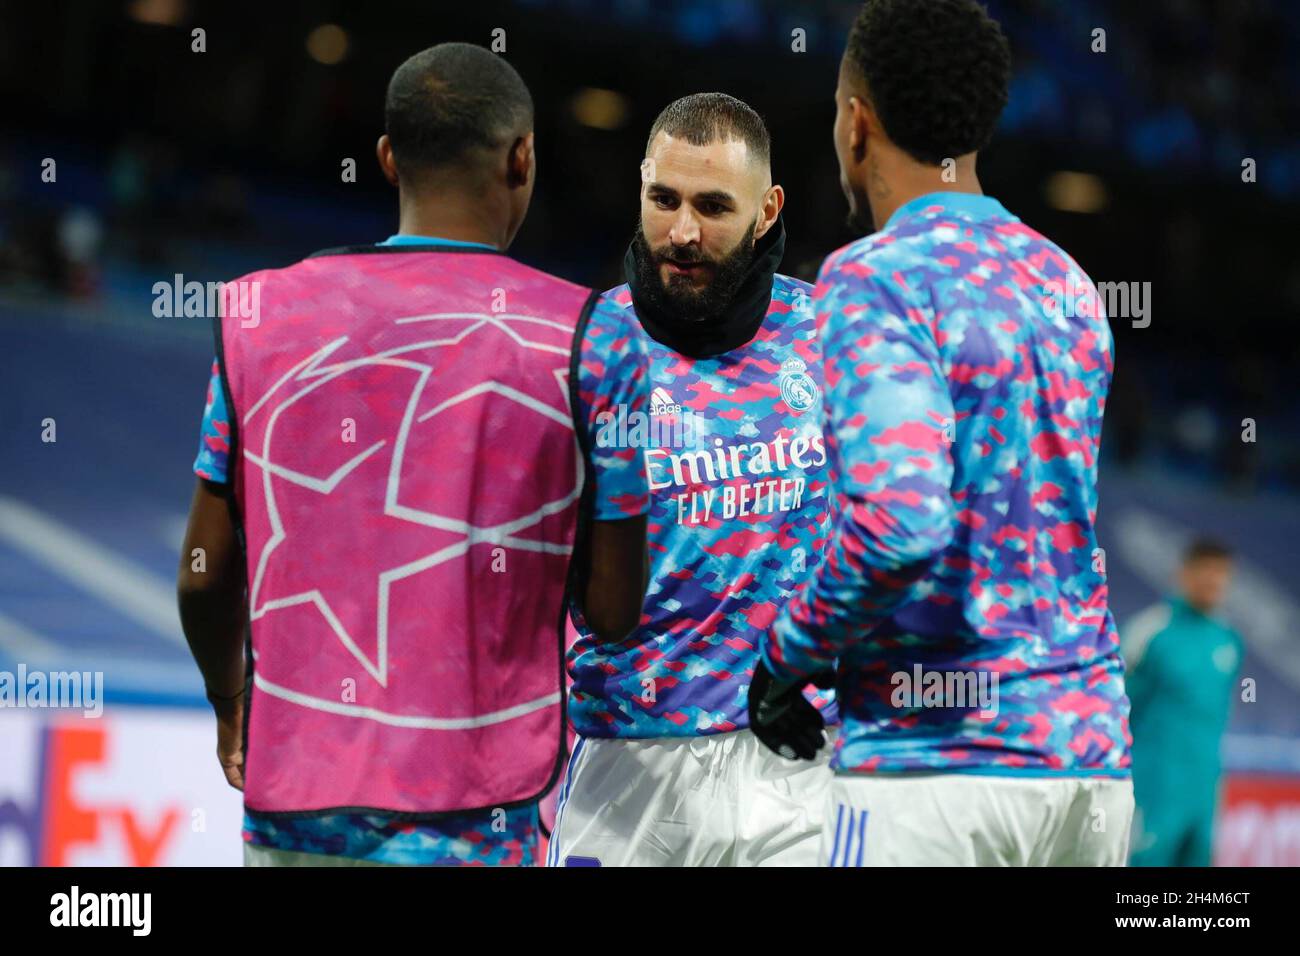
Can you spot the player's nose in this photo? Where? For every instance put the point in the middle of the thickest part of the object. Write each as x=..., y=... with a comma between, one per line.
x=685, y=229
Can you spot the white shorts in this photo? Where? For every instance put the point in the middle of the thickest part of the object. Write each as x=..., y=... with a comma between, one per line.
x=720, y=800
x=967, y=820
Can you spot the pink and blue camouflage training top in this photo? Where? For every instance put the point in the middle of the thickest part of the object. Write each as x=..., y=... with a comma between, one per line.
x=967, y=364
x=739, y=482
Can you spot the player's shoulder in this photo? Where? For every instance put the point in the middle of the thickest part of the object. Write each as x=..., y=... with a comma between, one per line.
x=613, y=312
x=532, y=273
x=617, y=300
x=612, y=325
x=792, y=301
x=791, y=294
x=1011, y=237
x=1031, y=237
x=1229, y=633
x=474, y=260
x=872, y=257
x=295, y=271
x=788, y=287
x=1138, y=633
x=260, y=276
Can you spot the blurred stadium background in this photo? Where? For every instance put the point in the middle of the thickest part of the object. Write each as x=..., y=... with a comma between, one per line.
x=215, y=163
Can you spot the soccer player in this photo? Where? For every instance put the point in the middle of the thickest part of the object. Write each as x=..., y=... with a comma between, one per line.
x=963, y=593
x=665, y=771
x=1182, y=664
x=390, y=491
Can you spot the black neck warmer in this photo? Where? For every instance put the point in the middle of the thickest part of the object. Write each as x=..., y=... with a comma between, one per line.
x=722, y=333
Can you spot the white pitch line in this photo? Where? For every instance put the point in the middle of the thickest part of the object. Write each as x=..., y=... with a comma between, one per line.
x=107, y=574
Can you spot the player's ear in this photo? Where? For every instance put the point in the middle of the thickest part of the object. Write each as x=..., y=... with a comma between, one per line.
x=864, y=125
x=384, y=153
x=521, y=163
x=773, y=203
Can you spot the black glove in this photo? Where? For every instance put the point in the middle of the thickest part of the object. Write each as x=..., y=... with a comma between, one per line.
x=782, y=718
x=824, y=680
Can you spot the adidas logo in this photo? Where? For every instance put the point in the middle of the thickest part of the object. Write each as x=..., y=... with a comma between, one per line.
x=661, y=403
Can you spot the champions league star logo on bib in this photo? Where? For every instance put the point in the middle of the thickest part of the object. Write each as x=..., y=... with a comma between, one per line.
x=797, y=387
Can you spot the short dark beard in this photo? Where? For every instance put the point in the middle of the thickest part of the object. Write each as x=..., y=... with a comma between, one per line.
x=677, y=297
x=859, y=220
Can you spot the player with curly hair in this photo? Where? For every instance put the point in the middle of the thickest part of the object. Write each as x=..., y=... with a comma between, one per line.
x=962, y=597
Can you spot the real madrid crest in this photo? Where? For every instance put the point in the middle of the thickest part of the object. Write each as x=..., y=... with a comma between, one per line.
x=798, y=389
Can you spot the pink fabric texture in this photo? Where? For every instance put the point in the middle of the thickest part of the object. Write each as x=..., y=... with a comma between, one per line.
x=408, y=480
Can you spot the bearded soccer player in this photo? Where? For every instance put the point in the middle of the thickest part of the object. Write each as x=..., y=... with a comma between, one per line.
x=396, y=466
x=665, y=771
x=979, y=670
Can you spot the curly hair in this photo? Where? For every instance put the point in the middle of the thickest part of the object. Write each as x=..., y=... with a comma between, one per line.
x=936, y=72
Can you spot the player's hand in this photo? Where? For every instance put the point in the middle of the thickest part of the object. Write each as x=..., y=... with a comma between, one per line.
x=230, y=740
x=782, y=718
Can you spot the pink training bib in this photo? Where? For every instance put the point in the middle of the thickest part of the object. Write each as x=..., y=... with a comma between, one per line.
x=407, y=479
